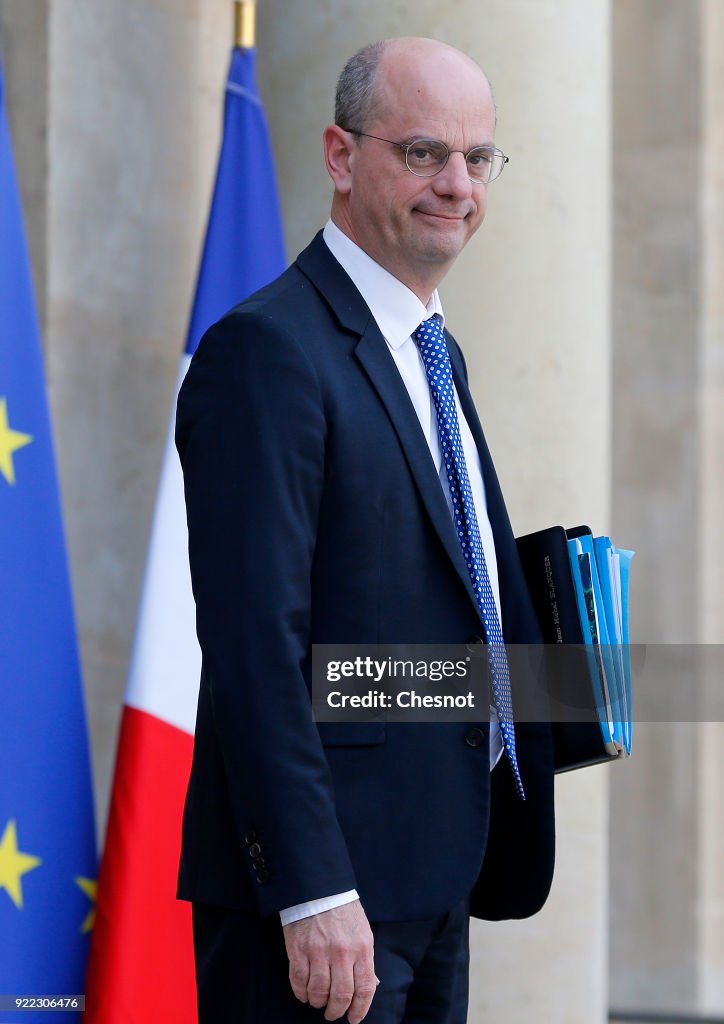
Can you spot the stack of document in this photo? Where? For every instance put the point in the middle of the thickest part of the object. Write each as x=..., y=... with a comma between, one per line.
x=579, y=585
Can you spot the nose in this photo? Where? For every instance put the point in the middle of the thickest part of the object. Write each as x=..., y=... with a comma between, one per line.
x=453, y=180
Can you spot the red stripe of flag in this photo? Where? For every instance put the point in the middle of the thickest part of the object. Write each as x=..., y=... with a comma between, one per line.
x=141, y=965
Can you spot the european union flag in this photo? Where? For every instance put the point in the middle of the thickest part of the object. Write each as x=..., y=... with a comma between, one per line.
x=47, y=833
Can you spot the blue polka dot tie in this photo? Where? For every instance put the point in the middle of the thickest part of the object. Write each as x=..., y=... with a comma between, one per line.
x=430, y=340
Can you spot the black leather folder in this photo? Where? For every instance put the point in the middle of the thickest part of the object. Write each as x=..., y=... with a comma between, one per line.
x=577, y=737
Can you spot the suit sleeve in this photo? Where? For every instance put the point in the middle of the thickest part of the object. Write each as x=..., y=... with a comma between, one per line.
x=251, y=436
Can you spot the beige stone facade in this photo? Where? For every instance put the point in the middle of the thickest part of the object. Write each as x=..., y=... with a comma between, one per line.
x=590, y=308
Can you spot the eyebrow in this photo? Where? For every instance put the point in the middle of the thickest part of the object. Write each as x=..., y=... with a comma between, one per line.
x=412, y=137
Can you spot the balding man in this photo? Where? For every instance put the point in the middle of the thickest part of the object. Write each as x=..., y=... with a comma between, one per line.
x=339, y=490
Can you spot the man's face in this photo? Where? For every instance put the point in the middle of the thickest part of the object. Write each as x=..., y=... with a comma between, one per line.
x=416, y=227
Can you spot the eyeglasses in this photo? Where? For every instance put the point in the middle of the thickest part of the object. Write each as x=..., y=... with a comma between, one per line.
x=427, y=157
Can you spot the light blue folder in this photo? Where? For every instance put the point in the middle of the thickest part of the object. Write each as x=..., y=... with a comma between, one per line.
x=583, y=572
x=601, y=579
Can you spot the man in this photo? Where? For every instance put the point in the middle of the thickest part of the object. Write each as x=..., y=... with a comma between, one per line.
x=339, y=490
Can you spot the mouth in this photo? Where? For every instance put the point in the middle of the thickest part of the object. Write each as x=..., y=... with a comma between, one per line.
x=450, y=218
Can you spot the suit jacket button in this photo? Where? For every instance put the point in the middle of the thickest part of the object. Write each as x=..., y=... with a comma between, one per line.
x=475, y=737
x=262, y=876
x=250, y=837
x=259, y=862
x=254, y=850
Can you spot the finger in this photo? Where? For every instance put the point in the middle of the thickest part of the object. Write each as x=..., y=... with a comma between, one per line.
x=341, y=989
x=318, y=984
x=365, y=986
x=299, y=978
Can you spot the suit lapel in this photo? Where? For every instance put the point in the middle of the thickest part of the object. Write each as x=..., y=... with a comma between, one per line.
x=372, y=351
x=505, y=549
x=374, y=355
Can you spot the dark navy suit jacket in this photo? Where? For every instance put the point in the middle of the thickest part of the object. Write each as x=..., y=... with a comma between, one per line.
x=316, y=515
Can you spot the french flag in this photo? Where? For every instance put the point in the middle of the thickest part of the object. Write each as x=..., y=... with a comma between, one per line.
x=141, y=967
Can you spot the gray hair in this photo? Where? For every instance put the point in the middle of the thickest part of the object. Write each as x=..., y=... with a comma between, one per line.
x=355, y=96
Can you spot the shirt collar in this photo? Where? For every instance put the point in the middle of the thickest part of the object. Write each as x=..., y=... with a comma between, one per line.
x=397, y=310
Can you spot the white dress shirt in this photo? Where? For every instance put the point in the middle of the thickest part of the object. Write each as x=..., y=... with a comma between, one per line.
x=398, y=312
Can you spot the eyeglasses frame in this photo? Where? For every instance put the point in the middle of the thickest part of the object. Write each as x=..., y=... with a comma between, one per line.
x=405, y=146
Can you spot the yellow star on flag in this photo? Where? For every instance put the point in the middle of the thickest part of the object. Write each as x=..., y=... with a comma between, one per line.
x=14, y=864
x=90, y=888
x=10, y=441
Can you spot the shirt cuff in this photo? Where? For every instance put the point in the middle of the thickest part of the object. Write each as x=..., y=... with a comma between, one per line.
x=302, y=910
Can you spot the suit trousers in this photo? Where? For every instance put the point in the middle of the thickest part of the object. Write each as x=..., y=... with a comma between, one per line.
x=242, y=970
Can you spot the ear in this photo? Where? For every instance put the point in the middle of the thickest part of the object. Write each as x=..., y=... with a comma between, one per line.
x=339, y=155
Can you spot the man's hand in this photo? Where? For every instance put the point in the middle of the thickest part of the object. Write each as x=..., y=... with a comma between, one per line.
x=331, y=961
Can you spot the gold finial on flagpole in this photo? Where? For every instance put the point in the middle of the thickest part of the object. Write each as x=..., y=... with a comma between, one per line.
x=245, y=24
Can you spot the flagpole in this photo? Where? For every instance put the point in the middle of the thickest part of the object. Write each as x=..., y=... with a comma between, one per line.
x=245, y=24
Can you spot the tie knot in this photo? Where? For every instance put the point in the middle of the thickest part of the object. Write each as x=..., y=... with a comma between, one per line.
x=430, y=341
x=429, y=331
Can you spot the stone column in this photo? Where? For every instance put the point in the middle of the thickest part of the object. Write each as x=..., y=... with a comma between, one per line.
x=529, y=302
x=667, y=946
x=711, y=556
